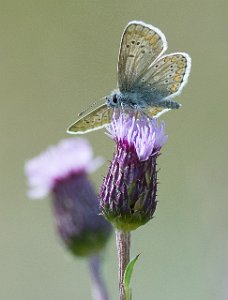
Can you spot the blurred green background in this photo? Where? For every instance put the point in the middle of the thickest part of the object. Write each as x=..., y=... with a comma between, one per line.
x=56, y=57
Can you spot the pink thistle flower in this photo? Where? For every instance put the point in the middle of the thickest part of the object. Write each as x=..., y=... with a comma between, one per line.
x=69, y=156
x=128, y=193
x=62, y=171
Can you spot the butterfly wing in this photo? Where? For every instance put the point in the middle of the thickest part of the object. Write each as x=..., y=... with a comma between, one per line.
x=141, y=44
x=94, y=120
x=155, y=112
x=165, y=78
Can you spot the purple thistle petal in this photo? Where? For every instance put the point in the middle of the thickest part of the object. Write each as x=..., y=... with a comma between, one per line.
x=146, y=135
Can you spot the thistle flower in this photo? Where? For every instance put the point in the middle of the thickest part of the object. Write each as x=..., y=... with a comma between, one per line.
x=62, y=170
x=128, y=193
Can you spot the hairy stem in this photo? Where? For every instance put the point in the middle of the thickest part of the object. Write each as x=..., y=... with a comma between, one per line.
x=98, y=288
x=123, y=250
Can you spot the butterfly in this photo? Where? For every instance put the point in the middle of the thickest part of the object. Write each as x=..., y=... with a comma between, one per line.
x=147, y=79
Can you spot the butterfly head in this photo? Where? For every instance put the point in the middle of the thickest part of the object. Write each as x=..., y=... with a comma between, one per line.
x=114, y=99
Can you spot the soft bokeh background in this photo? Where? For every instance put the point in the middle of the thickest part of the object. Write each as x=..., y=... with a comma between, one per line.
x=56, y=57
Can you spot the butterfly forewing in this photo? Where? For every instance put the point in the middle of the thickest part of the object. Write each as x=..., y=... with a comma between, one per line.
x=141, y=44
x=94, y=120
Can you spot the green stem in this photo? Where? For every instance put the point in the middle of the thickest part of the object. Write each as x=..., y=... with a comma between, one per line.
x=98, y=288
x=123, y=250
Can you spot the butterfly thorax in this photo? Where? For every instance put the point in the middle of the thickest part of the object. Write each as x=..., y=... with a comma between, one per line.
x=126, y=99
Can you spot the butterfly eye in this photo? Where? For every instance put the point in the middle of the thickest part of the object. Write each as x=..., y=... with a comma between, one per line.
x=114, y=99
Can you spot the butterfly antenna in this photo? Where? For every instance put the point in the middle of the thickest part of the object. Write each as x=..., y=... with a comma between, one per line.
x=91, y=106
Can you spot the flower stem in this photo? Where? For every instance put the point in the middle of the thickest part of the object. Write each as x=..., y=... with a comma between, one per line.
x=98, y=288
x=123, y=250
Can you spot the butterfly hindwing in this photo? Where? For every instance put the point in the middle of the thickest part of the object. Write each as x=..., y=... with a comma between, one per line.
x=166, y=76
x=155, y=112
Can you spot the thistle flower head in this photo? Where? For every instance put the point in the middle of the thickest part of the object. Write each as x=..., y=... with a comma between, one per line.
x=128, y=193
x=69, y=156
x=144, y=135
x=62, y=171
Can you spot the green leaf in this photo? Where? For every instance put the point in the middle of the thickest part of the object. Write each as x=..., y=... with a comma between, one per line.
x=127, y=276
